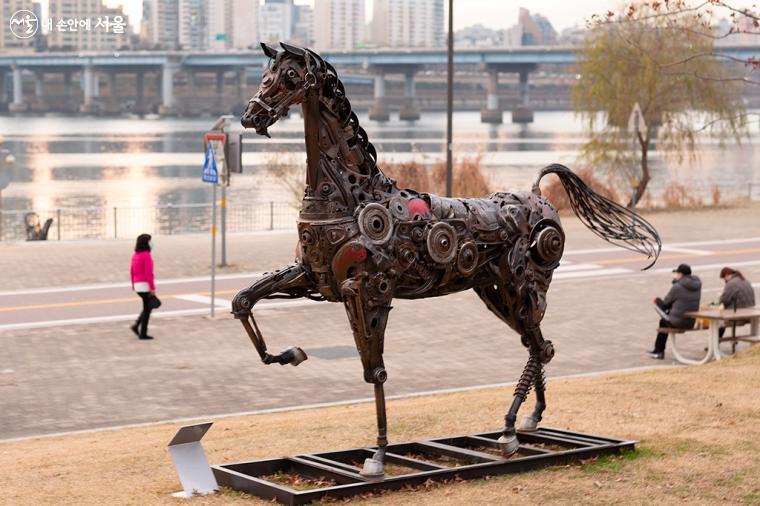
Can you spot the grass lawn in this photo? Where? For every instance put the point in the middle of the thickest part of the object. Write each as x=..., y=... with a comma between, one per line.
x=699, y=429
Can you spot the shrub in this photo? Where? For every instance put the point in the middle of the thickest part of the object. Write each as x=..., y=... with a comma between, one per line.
x=676, y=196
x=468, y=177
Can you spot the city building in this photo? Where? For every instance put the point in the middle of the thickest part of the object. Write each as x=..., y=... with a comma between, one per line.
x=338, y=24
x=11, y=42
x=160, y=24
x=530, y=30
x=87, y=25
x=477, y=36
x=276, y=21
x=218, y=25
x=191, y=25
x=303, y=26
x=408, y=23
x=245, y=24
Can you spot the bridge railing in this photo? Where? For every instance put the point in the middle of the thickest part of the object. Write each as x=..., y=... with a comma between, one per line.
x=72, y=223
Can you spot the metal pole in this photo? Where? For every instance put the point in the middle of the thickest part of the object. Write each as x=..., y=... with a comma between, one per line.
x=213, y=250
x=58, y=220
x=115, y=224
x=223, y=209
x=271, y=215
x=450, y=100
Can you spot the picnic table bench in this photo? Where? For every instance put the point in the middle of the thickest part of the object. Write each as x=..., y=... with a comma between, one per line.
x=716, y=317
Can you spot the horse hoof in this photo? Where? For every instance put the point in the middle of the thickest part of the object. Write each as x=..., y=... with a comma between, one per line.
x=529, y=424
x=293, y=356
x=508, y=445
x=373, y=469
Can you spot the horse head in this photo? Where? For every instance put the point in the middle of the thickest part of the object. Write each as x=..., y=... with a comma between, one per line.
x=289, y=77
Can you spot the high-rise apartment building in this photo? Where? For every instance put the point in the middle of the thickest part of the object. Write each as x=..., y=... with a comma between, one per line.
x=338, y=24
x=407, y=23
x=303, y=26
x=160, y=24
x=276, y=21
x=245, y=24
x=22, y=26
x=87, y=25
x=191, y=25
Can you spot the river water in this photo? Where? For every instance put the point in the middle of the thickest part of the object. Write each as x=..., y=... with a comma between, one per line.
x=65, y=162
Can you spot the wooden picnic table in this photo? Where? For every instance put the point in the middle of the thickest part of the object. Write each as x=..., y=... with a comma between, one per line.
x=718, y=316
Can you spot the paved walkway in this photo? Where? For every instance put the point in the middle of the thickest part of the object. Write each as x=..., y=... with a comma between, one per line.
x=85, y=376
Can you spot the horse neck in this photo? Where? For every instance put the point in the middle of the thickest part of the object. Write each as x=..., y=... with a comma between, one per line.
x=335, y=161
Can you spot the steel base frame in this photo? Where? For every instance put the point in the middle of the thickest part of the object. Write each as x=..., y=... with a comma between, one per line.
x=411, y=464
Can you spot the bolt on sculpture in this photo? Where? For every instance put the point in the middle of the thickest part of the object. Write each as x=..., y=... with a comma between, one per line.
x=363, y=241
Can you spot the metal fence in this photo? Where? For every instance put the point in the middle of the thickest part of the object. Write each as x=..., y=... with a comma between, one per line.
x=123, y=222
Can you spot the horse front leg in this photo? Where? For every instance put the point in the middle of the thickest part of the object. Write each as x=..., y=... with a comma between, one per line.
x=367, y=299
x=288, y=283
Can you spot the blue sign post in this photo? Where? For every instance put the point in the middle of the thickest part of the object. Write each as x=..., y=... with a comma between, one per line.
x=210, y=174
x=210, y=170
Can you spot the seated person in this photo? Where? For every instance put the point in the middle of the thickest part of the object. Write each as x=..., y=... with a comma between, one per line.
x=682, y=298
x=737, y=294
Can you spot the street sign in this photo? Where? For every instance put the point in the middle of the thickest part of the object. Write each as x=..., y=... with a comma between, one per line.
x=210, y=171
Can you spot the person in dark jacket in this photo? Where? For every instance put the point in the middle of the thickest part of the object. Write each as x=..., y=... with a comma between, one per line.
x=682, y=298
x=737, y=293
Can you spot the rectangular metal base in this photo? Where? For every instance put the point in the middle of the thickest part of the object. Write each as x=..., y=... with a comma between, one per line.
x=305, y=478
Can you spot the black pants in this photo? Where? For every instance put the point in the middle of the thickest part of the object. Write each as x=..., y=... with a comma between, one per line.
x=142, y=320
x=662, y=337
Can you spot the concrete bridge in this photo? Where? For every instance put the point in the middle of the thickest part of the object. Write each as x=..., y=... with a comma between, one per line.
x=165, y=66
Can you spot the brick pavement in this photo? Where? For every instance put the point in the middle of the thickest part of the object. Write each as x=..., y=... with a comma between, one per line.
x=80, y=376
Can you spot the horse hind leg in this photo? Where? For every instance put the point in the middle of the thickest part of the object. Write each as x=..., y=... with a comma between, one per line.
x=505, y=307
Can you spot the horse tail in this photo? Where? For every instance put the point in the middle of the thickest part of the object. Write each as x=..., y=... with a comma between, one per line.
x=610, y=221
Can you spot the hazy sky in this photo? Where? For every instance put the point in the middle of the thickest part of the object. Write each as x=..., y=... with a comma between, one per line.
x=491, y=13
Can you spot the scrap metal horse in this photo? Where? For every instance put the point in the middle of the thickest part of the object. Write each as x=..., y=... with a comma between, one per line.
x=363, y=241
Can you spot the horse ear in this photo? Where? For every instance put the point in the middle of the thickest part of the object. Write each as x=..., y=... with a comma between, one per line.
x=316, y=57
x=269, y=51
x=292, y=49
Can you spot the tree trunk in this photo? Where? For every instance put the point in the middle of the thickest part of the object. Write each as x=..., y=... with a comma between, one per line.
x=641, y=188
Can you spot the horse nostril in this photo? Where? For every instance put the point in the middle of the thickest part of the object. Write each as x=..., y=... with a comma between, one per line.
x=256, y=120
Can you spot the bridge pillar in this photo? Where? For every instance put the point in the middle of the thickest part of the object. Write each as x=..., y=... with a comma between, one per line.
x=219, y=90
x=410, y=111
x=168, y=105
x=88, y=83
x=140, y=92
x=492, y=113
x=18, y=104
x=113, y=97
x=39, y=85
x=523, y=113
x=67, y=105
x=379, y=110
x=241, y=85
x=191, y=105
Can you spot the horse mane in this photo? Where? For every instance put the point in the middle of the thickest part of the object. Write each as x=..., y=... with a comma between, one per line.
x=334, y=91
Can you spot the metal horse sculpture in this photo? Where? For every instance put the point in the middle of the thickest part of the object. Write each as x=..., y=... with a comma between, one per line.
x=363, y=241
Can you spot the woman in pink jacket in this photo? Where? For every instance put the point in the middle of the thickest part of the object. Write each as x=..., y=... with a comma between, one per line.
x=142, y=283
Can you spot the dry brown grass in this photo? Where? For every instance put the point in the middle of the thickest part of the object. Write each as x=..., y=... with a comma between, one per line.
x=468, y=177
x=677, y=196
x=698, y=427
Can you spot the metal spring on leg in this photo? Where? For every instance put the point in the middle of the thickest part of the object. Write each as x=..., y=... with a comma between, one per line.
x=531, y=372
x=540, y=379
